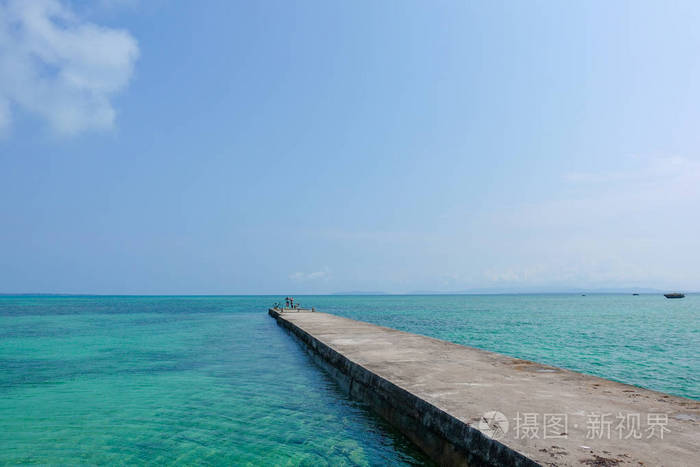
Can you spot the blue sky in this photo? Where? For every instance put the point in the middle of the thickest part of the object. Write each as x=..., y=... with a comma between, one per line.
x=313, y=147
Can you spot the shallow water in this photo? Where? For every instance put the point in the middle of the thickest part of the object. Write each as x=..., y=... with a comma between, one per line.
x=172, y=380
x=213, y=380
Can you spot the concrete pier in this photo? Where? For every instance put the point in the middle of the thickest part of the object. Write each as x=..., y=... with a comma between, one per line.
x=465, y=406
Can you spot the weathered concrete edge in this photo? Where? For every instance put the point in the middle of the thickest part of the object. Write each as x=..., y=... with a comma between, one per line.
x=446, y=439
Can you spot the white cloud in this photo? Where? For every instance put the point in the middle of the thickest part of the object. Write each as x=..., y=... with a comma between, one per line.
x=59, y=67
x=323, y=274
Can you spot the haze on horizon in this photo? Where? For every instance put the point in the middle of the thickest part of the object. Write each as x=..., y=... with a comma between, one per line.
x=317, y=147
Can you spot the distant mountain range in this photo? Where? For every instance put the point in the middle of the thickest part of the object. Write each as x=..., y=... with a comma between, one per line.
x=524, y=290
x=360, y=292
x=535, y=290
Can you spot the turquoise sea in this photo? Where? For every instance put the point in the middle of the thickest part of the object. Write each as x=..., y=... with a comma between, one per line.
x=214, y=381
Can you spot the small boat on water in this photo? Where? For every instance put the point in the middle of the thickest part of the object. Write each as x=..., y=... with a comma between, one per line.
x=674, y=295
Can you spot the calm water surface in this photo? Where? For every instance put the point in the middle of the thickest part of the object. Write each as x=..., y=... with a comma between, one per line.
x=213, y=380
x=158, y=380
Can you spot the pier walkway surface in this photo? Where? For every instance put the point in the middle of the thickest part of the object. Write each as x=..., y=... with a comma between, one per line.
x=465, y=406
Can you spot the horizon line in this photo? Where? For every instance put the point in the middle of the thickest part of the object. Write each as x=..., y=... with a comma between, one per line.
x=329, y=294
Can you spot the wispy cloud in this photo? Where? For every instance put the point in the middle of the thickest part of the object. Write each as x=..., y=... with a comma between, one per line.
x=57, y=66
x=632, y=226
x=323, y=274
x=657, y=170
